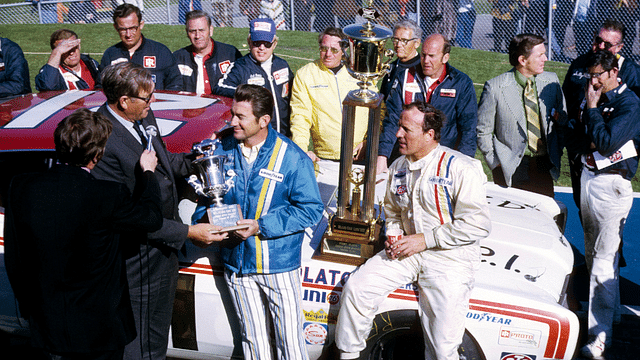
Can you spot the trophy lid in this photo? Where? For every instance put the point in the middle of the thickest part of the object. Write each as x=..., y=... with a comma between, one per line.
x=367, y=31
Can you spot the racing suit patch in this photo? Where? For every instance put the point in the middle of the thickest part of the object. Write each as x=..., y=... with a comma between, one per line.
x=281, y=76
x=272, y=175
x=119, y=60
x=437, y=180
x=224, y=66
x=412, y=87
x=185, y=70
x=256, y=79
x=149, y=62
x=448, y=92
x=285, y=90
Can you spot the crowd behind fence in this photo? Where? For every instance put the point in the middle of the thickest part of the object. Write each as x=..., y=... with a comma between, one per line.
x=478, y=24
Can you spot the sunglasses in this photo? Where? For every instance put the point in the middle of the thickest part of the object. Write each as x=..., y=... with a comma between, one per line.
x=607, y=45
x=266, y=44
x=326, y=48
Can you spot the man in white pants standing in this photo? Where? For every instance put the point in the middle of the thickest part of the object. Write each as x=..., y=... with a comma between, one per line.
x=436, y=196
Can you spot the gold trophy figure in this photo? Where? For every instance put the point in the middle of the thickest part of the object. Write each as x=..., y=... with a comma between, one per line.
x=353, y=232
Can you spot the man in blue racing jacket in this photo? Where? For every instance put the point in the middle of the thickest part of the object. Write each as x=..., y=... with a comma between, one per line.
x=261, y=67
x=277, y=191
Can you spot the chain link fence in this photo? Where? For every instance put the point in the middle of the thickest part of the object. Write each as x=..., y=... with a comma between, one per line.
x=478, y=24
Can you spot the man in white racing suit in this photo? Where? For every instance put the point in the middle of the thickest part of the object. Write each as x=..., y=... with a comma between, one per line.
x=436, y=196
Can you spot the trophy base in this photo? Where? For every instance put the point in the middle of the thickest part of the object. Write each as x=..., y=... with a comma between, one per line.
x=226, y=216
x=349, y=241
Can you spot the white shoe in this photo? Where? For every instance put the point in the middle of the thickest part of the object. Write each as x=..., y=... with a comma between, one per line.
x=594, y=349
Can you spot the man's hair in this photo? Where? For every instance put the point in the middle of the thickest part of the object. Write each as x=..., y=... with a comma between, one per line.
x=260, y=98
x=523, y=44
x=604, y=58
x=433, y=118
x=125, y=10
x=125, y=79
x=332, y=31
x=410, y=25
x=81, y=137
x=614, y=25
x=197, y=14
x=61, y=34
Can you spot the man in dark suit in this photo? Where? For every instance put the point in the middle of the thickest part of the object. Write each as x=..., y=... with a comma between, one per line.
x=518, y=118
x=152, y=261
x=62, y=247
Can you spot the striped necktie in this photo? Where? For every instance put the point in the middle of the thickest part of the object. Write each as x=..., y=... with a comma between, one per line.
x=533, y=117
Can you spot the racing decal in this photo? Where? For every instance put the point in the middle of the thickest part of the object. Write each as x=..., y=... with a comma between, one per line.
x=508, y=265
x=314, y=334
x=118, y=61
x=559, y=326
x=149, y=62
x=510, y=356
x=285, y=90
x=319, y=86
x=400, y=173
x=412, y=87
x=401, y=189
x=437, y=180
x=333, y=298
x=185, y=70
x=200, y=269
x=319, y=316
x=325, y=277
x=488, y=317
x=448, y=93
x=256, y=79
x=512, y=336
x=281, y=76
x=275, y=176
x=40, y=113
x=262, y=26
x=224, y=66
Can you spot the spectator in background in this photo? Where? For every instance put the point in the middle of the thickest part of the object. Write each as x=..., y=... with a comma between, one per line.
x=67, y=68
x=439, y=17
x=324, y=15
x=319, y=89
x=137, y=3
x=83, y=12
x=261, y=67
x=250, y=8
x=345, y=11
x=441, y=85
x=466, y=21
x=134, y=47
x=506, y=14
x=406, y=41
x=73, y=221
x=14, y=70
x=519, y=119
x=205, y=61
x=274, y=10
x=302, y=12
x=185, y=6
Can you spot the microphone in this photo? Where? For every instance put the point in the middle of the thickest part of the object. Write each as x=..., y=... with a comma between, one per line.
x=151, y=131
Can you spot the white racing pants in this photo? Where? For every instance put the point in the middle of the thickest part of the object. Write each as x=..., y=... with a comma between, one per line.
x=444, y=279
x=605, y=201
x=253, y=296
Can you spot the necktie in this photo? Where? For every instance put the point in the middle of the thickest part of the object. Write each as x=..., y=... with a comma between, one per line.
x=533, y=117
x=137, y=127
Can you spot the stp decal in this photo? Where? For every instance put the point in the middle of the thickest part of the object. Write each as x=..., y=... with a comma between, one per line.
x=315, y=334
x=510, y=356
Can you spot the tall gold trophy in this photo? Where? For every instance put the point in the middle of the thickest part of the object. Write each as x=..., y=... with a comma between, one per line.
x=353, y=232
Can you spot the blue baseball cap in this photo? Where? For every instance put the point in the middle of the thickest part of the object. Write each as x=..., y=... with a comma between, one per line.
x=262, y=29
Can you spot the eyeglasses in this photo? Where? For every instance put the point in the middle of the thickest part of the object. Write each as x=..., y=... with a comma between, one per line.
x=404, y=42
x=133, y=29
x=266, y=44
x=607, y=45
x=596, y=75
x=333, y=50
x=146, y=100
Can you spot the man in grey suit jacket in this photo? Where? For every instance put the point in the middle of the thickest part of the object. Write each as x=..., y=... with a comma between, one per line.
x=152, y=261
x=519, y=135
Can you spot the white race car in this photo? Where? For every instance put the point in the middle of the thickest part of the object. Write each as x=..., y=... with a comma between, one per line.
x=518, y=308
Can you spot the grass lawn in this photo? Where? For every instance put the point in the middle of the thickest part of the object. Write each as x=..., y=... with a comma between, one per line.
x=298, y=48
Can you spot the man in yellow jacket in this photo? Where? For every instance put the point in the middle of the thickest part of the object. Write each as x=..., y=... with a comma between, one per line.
x=316, y=102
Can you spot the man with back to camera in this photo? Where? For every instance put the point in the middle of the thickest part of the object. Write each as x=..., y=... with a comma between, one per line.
x=152, y=258
x=437, y=83
x=319, y=89
x=607, y=127
x=205, y=61
x=134, y=47
x=406, y=41
x=440, y=250
x=14, y=70
x=610, y=37
x=66, y=219
x=519, y=115
x=277, y=191
x=67, y=68
x=261, y=67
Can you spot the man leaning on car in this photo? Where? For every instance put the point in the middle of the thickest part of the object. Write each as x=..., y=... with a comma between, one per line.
x=152, y=257
x=62, y=247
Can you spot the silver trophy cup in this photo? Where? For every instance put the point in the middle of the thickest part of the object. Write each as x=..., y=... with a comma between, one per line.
x=210, y=170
